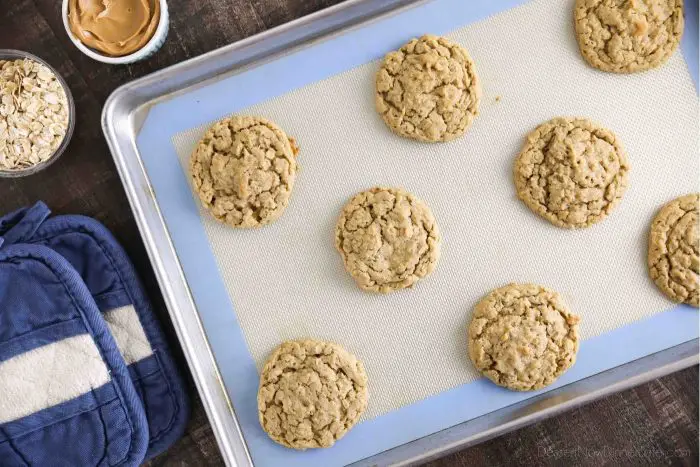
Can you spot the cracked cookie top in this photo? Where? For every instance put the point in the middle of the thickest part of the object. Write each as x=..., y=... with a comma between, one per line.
x=243, y=171
x=428, y=90
x=674, y=262
x=625, y=36
x=523, y=337
x=388, y=239
x=311, y=393
x=571, y=171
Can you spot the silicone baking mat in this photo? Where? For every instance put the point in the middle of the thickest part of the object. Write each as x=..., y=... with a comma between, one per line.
x=256, y=288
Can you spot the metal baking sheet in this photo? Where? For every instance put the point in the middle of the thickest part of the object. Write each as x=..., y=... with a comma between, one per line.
x=234, y=423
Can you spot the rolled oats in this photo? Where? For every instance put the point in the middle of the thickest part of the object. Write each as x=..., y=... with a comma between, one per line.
x=33, y=114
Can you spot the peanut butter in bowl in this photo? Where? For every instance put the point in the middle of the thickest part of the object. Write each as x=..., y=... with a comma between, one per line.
x=114, y=28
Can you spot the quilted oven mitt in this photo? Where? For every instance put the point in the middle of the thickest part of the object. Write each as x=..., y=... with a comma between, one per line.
x=110, y=278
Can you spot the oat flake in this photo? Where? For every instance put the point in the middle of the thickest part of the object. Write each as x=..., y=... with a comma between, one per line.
x=33, y=114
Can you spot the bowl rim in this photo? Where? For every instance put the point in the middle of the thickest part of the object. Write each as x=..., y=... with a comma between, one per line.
x=21, y=54
x=132, y=57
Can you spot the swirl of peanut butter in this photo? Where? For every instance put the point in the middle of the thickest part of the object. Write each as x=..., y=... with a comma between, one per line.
x=114, y=27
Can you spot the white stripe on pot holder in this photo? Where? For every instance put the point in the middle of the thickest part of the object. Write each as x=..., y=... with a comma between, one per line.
x=49, y=375
x=125, y=326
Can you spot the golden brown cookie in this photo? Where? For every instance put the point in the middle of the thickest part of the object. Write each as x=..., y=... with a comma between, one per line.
x=388, y=239
x=523, y=337
x=625, y=36
x=311, y=393
x=243, y=171
x=428, y=90
x=571, y=171
x=674, y=262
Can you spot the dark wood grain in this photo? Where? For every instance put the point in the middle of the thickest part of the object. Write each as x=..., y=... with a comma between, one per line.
x=654, y=424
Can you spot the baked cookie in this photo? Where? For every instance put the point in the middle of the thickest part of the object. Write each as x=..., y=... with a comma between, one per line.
x=625, y=36
x=523, y=337
x=674, y=262
x=311, y=393
x=571, y=171
x=388, y=239
x=428, y=90
x=243, y=171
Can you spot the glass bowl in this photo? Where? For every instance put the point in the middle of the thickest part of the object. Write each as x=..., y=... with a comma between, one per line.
x=9, y=54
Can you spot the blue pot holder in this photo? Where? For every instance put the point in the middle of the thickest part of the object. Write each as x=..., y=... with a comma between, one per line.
x=94, y=256
x=65, y=394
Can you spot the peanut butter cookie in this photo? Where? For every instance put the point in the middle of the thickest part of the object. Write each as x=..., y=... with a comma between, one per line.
x=428, y=90
x=243, y=171
x=625, y=36
x=674, y=262
x=388, y=239
x=311, y=393
x=523, y=337
x=571, y=171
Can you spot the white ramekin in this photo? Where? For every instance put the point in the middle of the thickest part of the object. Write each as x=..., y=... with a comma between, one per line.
x=146, y=51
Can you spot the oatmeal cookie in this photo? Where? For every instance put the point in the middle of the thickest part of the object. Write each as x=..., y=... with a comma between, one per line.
x=311, y=393
x=243, y=171
x=388, y=239
x=571, y=171
x=626, y=36
x=523, y=337
x=428, y=90
x=674, y=262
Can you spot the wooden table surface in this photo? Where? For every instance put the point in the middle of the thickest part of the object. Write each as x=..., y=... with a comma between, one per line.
x=653, y=424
